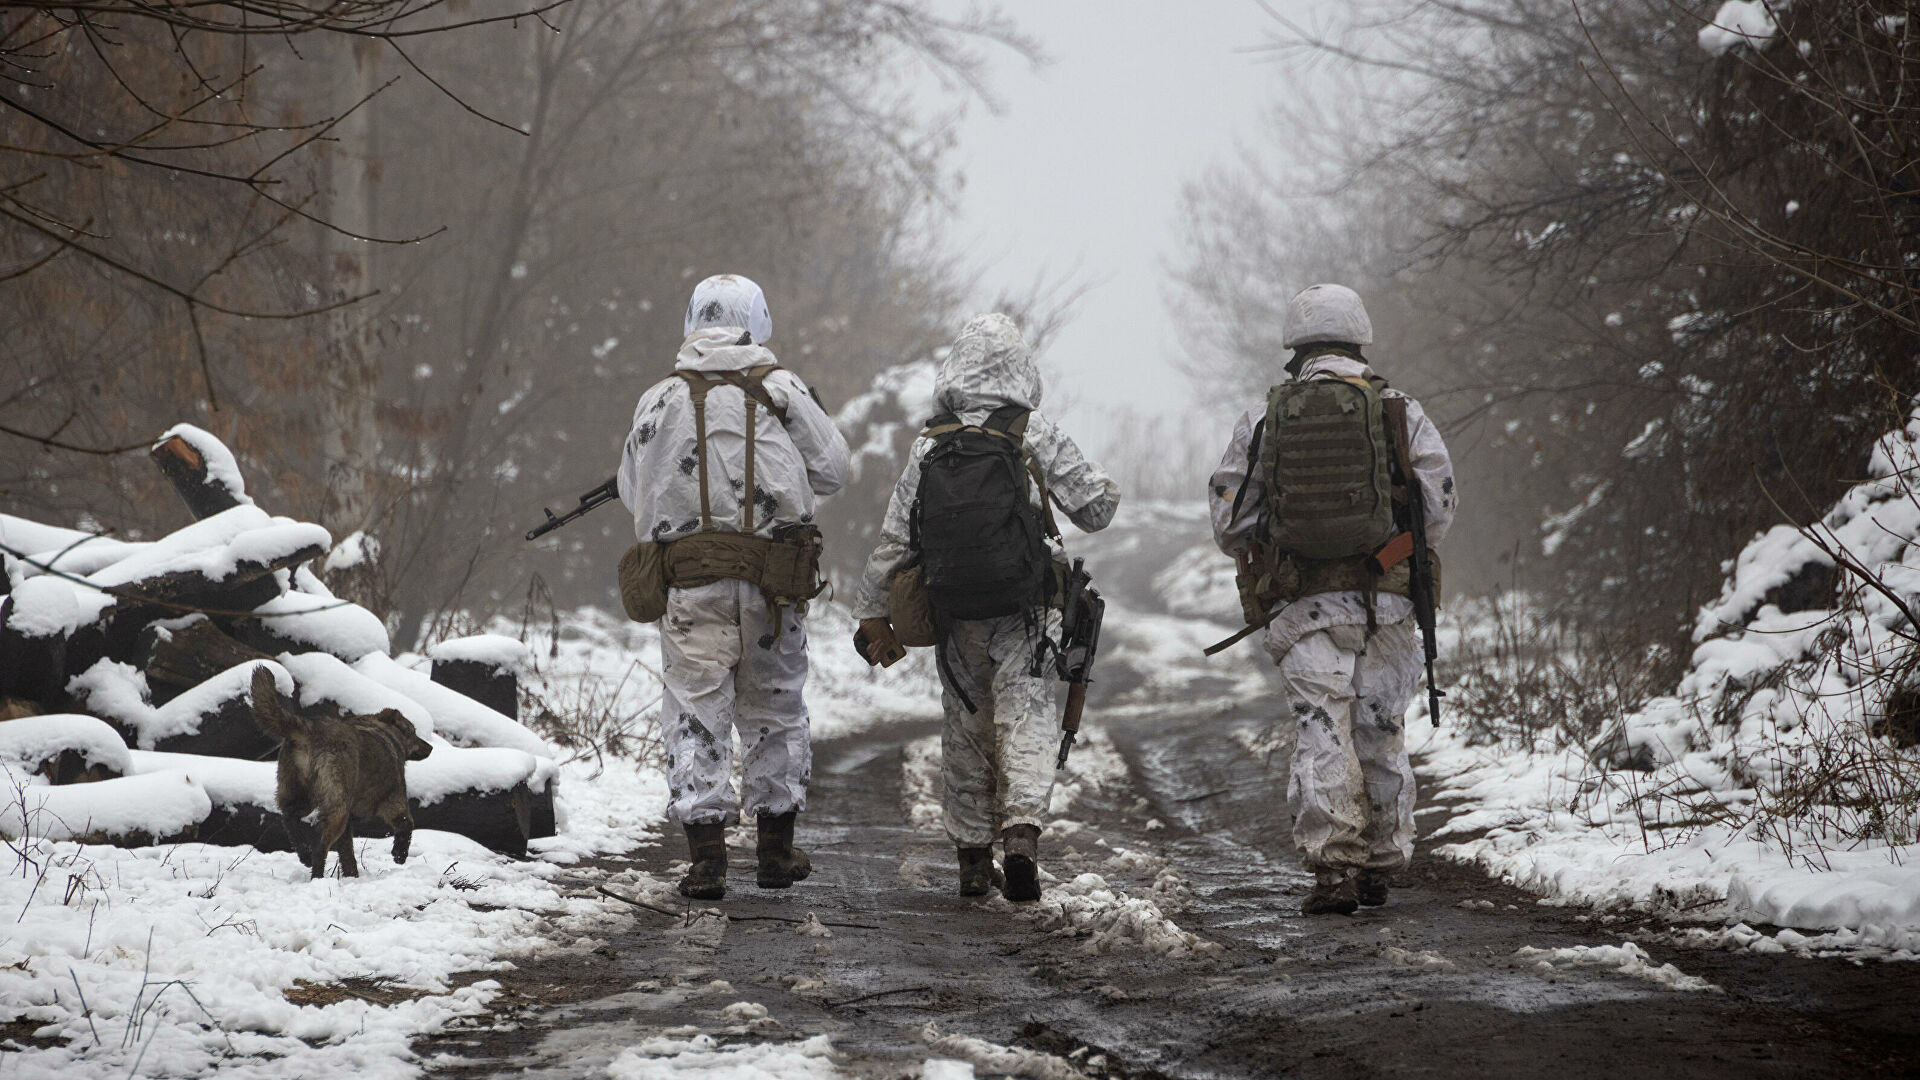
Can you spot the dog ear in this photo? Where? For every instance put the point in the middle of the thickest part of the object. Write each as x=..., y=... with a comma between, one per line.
x=417, y=747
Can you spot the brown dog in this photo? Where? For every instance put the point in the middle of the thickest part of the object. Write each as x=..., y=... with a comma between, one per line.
x=350, y=768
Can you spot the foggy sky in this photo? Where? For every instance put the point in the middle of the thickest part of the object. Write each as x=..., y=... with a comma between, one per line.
x=1080, y=177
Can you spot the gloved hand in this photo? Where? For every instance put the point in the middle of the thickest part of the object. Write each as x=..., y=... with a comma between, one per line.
x=875, y=643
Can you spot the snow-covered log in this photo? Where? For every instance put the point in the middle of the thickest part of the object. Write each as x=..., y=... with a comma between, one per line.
x=462, y=720
x=486, y=795
x=132, y=811
x=215, y=718
x=64, y=748
x=485, y=667
x=187, y=653
x=305, y=622
x=201, y=469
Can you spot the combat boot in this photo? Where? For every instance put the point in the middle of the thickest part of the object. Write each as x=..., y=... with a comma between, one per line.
x=1333, y=893
x=1370, y=886
x=1022, y=866
x=781, y=864
x=707, y=878
x=976, y=871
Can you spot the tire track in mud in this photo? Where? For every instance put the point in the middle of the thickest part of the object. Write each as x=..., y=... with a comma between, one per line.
x=1180, y=822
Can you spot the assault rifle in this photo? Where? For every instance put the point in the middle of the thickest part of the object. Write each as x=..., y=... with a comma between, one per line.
x=1079, y=641
x=605, y=493
x=1424, y=601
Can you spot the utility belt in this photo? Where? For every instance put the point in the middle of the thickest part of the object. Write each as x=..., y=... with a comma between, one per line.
x=1267, y=582
x=786, y=568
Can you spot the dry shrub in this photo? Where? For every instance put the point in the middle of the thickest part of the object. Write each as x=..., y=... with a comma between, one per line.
x=1521, y=677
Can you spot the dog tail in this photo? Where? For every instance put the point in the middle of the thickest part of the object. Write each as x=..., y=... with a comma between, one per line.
x=272, y=717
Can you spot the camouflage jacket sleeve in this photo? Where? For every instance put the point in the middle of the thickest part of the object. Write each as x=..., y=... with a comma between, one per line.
x=1434, y=466
x=1234, y=532
x=1079, y=487
x=895, y=548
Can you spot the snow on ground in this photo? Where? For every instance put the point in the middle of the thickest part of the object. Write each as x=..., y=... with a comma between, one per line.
x=180, y=960
x=997, y=1060
x=702, y=1058
x=1765, y=789
x=1088, y=907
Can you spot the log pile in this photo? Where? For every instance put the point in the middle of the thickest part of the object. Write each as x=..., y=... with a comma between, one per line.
x=155, y=643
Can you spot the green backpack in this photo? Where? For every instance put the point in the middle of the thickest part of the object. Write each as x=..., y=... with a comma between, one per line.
x=1326, y=463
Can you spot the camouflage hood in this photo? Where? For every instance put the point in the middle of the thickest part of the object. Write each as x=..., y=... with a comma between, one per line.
x=990, y=365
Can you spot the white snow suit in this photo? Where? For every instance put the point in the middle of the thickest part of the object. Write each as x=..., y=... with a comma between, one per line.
x=1350, y=787
x=725, y=664
x=996, y=762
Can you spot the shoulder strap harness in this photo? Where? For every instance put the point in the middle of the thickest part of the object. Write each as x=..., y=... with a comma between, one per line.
x=750, y=383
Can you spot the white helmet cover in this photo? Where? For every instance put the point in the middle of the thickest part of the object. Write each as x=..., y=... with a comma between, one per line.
x=730, y=300
x=1326, y=313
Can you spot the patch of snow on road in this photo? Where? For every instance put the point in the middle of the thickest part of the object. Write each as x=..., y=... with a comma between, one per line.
x=1625, y=958
x=1001, y=1060
x=1107, y=918
x=703, y=1058
x=920, y=785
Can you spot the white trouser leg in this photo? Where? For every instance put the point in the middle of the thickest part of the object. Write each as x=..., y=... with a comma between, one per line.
x=1324, y=784
x=723, y=668
x=1385, y=681
x=770, y=708
x=997, y=763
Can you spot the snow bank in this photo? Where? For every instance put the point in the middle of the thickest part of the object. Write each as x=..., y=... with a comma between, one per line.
x=1860, y=891
x=159, y=805
x=1760, y=789
x=30, y=740
x=456, y=716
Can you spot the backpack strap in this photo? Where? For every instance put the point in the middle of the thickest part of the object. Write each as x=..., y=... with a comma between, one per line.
x=1008, y=420
x=1253, y=465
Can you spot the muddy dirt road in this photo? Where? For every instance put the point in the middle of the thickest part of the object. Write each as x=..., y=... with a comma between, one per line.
x=1183, y=957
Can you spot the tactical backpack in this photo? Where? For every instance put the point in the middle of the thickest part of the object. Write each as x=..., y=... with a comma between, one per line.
x=1333, y=457
x=1326, y=462
x=981, y=541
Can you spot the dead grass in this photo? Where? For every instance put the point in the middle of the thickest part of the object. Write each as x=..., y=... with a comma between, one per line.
x=372, y=991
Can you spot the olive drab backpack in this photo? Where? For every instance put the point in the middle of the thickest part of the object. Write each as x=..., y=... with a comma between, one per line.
x=982, y=543
x=1327, y=466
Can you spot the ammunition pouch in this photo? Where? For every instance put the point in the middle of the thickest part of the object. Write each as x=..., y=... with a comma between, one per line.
x=908, y=609
x=787, y=569
x=643, y=582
